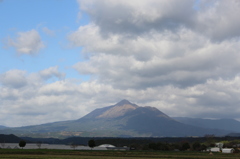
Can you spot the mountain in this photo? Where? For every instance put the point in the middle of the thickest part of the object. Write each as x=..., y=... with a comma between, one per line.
x=9, y=138
x=2, y=127
x=123, y=119
x=234, y=134
x=223, y=124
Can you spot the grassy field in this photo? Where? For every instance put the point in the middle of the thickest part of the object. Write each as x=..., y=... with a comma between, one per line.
x=70, y=154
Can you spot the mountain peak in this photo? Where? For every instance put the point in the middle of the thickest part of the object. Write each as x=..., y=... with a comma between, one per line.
x=123, y=102
x=119, y=109
x=112, y=111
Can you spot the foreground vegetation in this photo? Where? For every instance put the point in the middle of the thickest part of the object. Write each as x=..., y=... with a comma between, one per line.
x=67, y=154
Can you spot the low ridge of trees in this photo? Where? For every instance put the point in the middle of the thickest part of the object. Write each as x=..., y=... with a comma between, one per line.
x=138, y=143
x=185, y=146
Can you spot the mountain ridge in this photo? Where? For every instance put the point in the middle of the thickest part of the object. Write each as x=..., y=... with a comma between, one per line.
x=122, y=119
x=2, y=127
x=224, y=124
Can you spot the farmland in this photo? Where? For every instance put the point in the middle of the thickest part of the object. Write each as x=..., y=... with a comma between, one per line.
x=67, y=154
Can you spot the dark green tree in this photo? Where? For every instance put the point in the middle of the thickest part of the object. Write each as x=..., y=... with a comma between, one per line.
x=22, y=143
x=196, y=146
x=91, y=143
x=211, y=145
x=185, y=146
x=152, y=146
x=176, y=146
x=203, y=147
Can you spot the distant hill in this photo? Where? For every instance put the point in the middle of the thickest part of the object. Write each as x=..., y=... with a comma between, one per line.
x=234, y=134
x=2, y=127
x=223, y=124
x=123, y=119
x=9, y=138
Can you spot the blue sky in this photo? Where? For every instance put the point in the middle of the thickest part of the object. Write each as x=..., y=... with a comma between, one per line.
x=59, y=17
x=61, y=59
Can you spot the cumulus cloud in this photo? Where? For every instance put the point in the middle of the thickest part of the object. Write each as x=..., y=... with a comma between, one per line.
x=154, y=43
x=17, y=78
x=136, y=17
x=41, y=102
x=183, y=58
x=22, y=95
x=14, y=78
x=48, y=31
x=51, y=72
x=216, y=19
x=27, y=42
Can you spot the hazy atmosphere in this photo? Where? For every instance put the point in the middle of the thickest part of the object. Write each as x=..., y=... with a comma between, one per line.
x=61, y=59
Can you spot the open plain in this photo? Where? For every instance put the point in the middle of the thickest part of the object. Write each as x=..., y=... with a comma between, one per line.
x=71, y=154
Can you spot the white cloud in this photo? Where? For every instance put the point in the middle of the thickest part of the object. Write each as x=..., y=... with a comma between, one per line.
x=215, y=19
x=41, y=102
x=219, y=19
x=51, y=72
x=21, y=96
x=183, y=58
x=154, y=43
x=27, y=42
x=48, y=31
x=14, y=78
x=136, y=17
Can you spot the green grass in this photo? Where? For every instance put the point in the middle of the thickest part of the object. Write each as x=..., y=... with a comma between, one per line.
x=70, y=154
